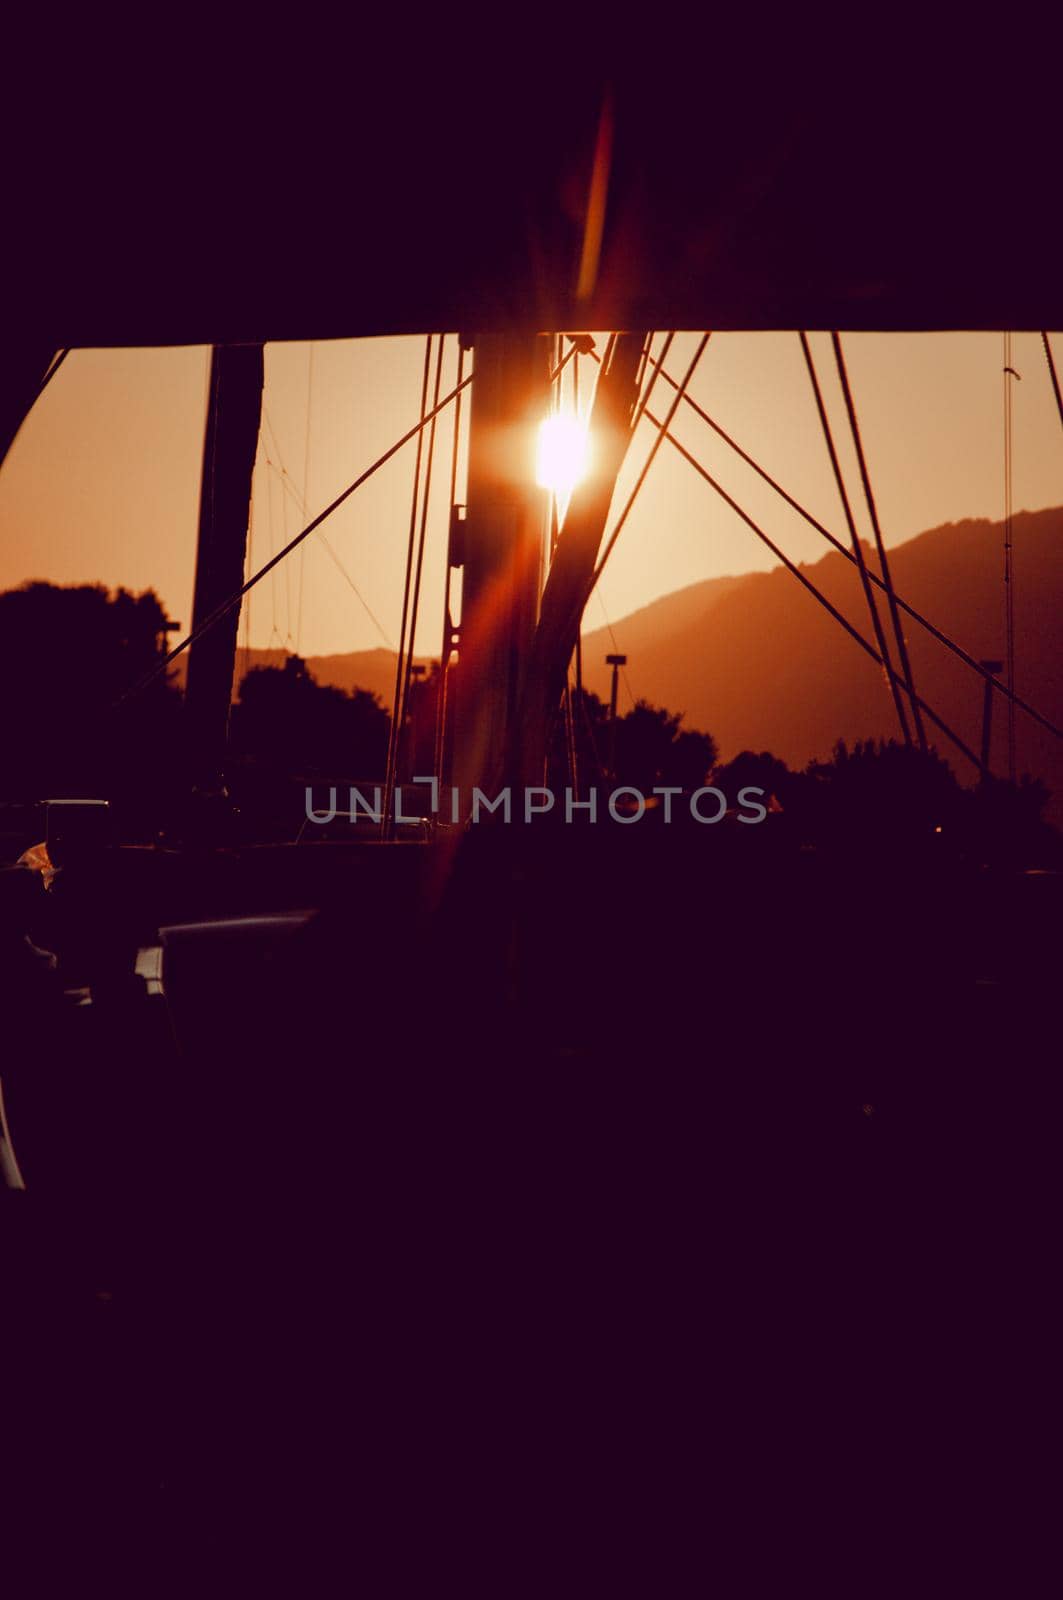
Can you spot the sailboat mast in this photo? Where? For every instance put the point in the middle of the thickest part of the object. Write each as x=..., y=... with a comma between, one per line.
x=500, y=552
x=515, y=643
x=230, y=445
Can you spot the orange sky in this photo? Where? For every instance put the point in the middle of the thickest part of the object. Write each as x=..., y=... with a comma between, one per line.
x=102, y=483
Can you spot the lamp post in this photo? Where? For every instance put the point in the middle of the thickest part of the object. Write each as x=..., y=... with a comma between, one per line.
x=616, y=662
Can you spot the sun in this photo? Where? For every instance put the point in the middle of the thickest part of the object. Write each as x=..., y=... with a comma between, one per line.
x=561, y=458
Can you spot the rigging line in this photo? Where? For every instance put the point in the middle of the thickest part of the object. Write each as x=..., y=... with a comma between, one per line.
x=287, y=574
x=394, y=730
x=270, y=470
x=641, y=412
x=557, y=396
x=263, y=455
x=282, y=479
x=273, y=435
x=842, y=549
x=641, y=372
x=555, y=534
x=425, y=499
x=1009, y=557
x=444, y=654
x=644, y=399
x=272, y=547
x=285, y=482
x=234, y=599
x=647, y=464
x=563, y=363
x=556, y=384
x=592, y=741
x=370, y=613
x=600, y=361
x=1052, y=374
x=306, y=487
x=858, y=549
x=570, y=738
x=807, y=583
x=865, y=478
x=289, y=487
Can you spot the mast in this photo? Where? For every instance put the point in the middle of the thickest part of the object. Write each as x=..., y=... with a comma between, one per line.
x=229, y=449
x=515, y=647
x=572, y=570
x=500, y=552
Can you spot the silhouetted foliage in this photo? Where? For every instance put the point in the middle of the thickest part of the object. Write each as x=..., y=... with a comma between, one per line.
x=417, y=748
x=889, y=796
x=884, y=797
x=589, y=723
x=651, y=747
x=1003, y=825
x=67, y=656
x=883, y=789
x=286, y=722
x=761, y=770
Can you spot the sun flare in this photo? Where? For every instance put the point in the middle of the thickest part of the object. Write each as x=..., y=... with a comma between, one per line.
x=561, y=459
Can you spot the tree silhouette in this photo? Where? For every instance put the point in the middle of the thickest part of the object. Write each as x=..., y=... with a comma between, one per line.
x=286, y=722
x=588, y=733
x=68, y=656
x=761, y=770
x=902, y=799
x=651, y=747
x=884, y=791
x=417, y=748
x=1002, y=824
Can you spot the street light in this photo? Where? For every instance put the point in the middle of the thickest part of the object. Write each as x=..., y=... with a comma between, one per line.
x=616, y=662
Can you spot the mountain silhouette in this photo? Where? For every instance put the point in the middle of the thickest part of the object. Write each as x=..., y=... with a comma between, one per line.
x=755, y=660
x=761, y=665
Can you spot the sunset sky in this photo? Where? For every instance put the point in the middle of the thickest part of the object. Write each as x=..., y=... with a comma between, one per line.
x=102, y=483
